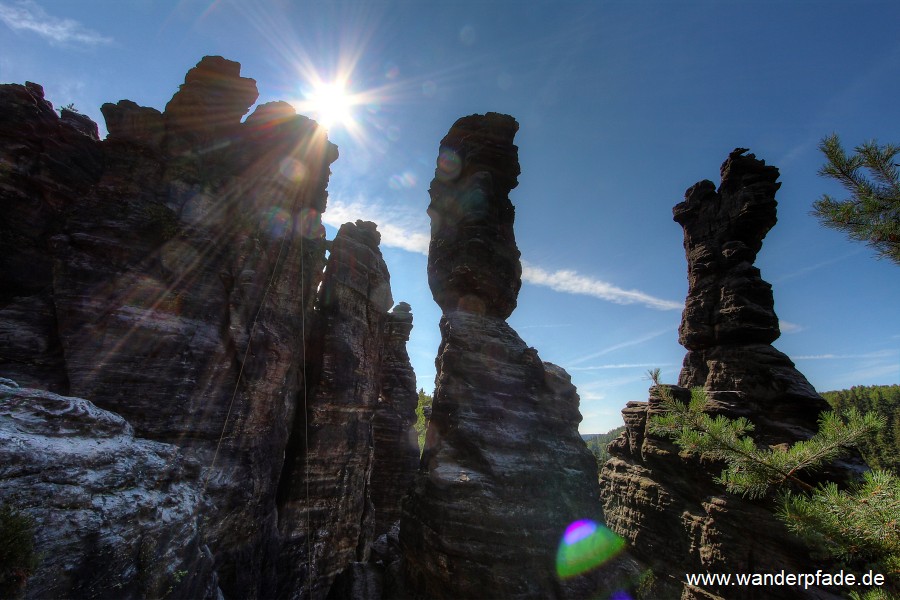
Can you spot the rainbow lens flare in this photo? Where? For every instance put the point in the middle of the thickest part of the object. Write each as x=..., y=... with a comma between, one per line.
x=585, y=545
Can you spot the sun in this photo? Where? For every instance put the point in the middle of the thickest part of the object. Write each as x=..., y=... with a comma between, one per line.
x=332, y=104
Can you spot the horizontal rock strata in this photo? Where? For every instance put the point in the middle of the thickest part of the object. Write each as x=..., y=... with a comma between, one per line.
x=324, y=505
x=393, y=426
x=665, y=504
x=473, y=260
x=504, y=470
x=169, y=274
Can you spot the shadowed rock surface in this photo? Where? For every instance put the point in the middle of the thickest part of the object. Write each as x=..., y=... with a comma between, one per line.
x=667, y=506
x=473, y=260
x=504, y=470
x=324, y=490
x=396, y=441
x=113, y=514
x=168, y=274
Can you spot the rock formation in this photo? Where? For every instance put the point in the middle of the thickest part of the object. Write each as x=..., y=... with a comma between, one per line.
x=113, y=514
x=168, y=274
x=504, y=470
x=324, y=507
x=396, y=442
x=729, y=320
x=667, y=506
x=473, y=260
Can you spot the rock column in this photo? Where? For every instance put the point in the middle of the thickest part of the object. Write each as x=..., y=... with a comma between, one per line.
x=324, y=508
x=504, y=470
x=166, y=273
x=396, y=442
x=674, y=516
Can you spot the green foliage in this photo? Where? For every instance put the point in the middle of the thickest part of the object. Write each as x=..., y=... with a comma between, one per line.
x=860, y=524
x=598, y=442
x=647, y=585
x=872, y=212
x=69, y=107
x=751, y=470
x=654, y=375
x=880, y=449
x=421, y=420
x=18, y=559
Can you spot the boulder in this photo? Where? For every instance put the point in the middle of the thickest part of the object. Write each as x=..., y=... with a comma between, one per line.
x=113, y=514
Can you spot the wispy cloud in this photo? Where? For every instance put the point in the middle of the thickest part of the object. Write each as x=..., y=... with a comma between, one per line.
x=620, y=366
x=876, y=354
x=817, y=266
x=570, y=282
x=402, y=230
x=398, y=229
x=549, y=326
x=27, y=15
x=788, y=327
x=873, y=373
x=633, y=342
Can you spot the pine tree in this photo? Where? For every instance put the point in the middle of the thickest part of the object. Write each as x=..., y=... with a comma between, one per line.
x=880, y=449
x=872, y=213
x=860, y=524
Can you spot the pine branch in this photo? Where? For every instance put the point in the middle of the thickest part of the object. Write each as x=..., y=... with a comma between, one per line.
x=872, y=212
x=753, y=471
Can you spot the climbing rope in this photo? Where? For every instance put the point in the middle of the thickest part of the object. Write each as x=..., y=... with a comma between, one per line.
x=237, y=383
x=305, y=420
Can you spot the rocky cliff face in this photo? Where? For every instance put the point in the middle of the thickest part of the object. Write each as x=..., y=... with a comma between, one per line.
x=325, y=510
x=667, y=506
x=169, y=273
x=504, y=470
x=113, y=515
x=396, y=441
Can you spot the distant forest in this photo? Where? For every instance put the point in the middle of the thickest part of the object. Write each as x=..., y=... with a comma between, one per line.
x=882, y=448
x=597, y=443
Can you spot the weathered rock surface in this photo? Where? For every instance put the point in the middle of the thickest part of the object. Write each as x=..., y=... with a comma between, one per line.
x=729, y=320
x=396, y=441
x=504, y=470
x=169, y=274
x=473, y=260
x=46, y=165
x=324, y=506
x=667, y=506
x=114, y=515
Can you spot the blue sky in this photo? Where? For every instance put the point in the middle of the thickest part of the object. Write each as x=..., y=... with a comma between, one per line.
x=621, y=105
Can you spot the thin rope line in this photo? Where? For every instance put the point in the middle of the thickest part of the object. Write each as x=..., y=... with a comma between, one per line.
x=237, y=383
x=305, y=420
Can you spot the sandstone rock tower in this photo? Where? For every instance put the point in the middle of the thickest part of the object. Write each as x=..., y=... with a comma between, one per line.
x=668, y=507
x=504, y=469
x=170, y=274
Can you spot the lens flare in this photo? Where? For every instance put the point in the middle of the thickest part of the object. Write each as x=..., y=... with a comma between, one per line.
x=275, y=222
x=293, y=169
x=449, y=165
x=402, y=181
x=584, y=546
